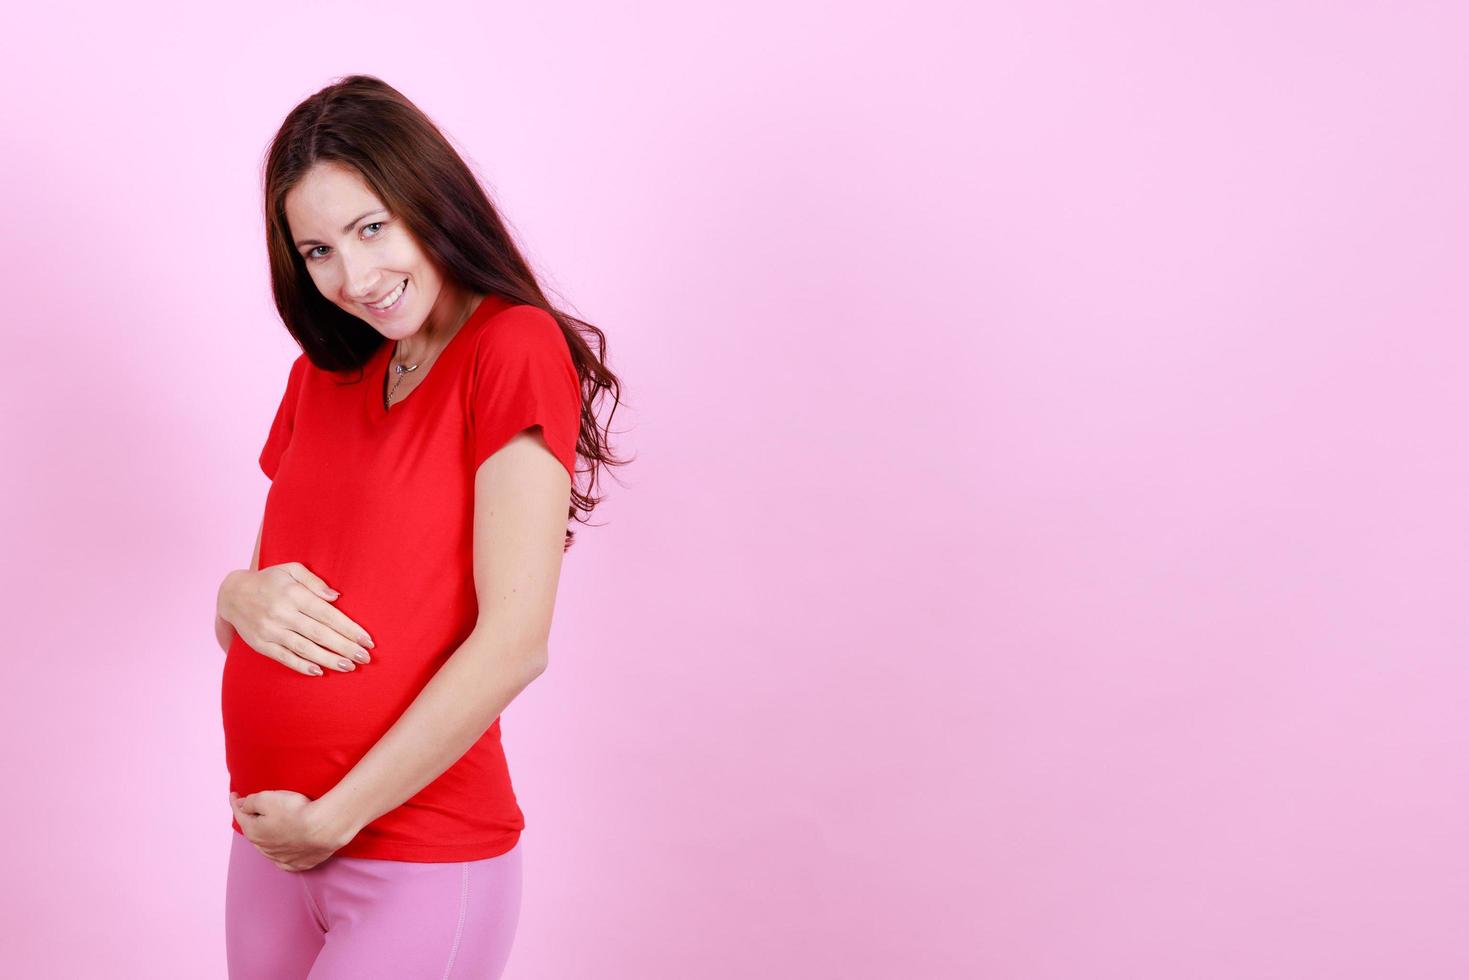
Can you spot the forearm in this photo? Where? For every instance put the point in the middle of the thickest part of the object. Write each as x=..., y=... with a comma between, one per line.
x=449, y=715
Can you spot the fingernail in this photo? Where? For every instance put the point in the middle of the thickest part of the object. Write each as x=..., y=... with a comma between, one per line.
x=333, y=593
x=368, y=643
x=359, y=656
x=344, y=665
x=315, y=670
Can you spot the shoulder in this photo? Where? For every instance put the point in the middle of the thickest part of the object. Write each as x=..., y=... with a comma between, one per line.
x=296, y=379
x=296, y=374
x=519, y=326
x=520, y=338
x=299, y=367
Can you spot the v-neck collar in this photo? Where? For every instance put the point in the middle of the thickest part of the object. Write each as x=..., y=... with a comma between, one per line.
x=381, y=361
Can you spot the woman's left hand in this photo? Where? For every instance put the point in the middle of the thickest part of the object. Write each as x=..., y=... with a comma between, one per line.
x=286, y=827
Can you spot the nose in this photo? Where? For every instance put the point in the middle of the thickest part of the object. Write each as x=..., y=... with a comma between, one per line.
x=360, y=281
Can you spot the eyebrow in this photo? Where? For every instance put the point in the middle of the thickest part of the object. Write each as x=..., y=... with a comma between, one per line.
x=346, y=228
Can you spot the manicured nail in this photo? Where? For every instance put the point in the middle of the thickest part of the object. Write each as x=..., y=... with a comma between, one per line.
x=344, y=665
x=315, y=670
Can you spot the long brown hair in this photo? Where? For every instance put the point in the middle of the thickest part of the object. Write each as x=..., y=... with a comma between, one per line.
x=363, y=123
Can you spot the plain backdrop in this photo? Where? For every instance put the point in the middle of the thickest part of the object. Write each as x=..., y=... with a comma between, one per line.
x=1044, y=557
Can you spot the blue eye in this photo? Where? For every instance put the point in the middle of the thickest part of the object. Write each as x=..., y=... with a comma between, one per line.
x=311, y=252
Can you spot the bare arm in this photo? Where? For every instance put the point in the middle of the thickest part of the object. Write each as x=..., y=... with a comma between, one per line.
x=520, y=499
x=223, y=631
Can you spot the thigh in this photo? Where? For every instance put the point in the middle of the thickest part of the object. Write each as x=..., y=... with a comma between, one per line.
x=271, y=931
x=397, y=919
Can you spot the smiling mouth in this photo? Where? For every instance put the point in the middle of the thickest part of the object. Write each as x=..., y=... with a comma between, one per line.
x=391, y=298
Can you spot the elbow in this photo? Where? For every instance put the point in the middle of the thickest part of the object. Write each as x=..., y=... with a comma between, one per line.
x=527, y=657
x=536, y=663
x=531, y=661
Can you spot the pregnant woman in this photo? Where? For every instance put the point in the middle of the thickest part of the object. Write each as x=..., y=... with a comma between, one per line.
x=423, y=469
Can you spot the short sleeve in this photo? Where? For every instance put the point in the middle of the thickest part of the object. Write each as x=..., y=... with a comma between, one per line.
x=523, y=376
x=285, y=419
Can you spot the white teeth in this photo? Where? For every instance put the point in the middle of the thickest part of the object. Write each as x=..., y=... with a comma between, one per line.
x=392, y=298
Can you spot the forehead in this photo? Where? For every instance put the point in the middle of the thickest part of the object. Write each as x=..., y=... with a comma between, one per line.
x=326, y=196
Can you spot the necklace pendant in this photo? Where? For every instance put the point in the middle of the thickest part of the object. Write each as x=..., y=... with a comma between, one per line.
x=399, y=370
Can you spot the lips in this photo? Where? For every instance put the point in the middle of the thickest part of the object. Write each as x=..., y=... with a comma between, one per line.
x=390, y=298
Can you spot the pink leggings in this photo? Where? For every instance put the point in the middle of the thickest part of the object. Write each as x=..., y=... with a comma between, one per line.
x=363, y=918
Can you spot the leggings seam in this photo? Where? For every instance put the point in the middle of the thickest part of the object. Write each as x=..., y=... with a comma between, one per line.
x=463, y=909
x=311, y=902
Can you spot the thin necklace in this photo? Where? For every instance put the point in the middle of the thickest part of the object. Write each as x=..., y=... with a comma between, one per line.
x=400, y=370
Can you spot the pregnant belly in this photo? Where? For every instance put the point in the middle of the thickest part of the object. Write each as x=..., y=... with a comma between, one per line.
x=287, y=730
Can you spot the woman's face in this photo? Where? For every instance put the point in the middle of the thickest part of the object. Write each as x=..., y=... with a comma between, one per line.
x=358, y=253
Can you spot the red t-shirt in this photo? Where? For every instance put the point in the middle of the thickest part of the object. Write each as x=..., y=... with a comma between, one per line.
x=380, y=504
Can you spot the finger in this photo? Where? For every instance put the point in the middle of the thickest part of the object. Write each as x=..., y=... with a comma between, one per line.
x=304, y=648
x=340, y=653
x=248, y=805
x=310, y=579
x=279, y=652
x=330, y=628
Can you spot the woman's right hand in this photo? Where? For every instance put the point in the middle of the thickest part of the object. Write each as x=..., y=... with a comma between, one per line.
x=284, y=612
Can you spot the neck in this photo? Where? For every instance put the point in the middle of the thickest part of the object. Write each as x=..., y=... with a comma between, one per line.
x=436, y=332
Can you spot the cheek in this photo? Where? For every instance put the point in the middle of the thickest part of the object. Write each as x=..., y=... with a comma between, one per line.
x=405, y=261
x=424, y=275
x=324, y=279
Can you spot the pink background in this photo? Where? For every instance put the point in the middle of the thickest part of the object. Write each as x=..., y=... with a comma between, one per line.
x=1045, y=554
